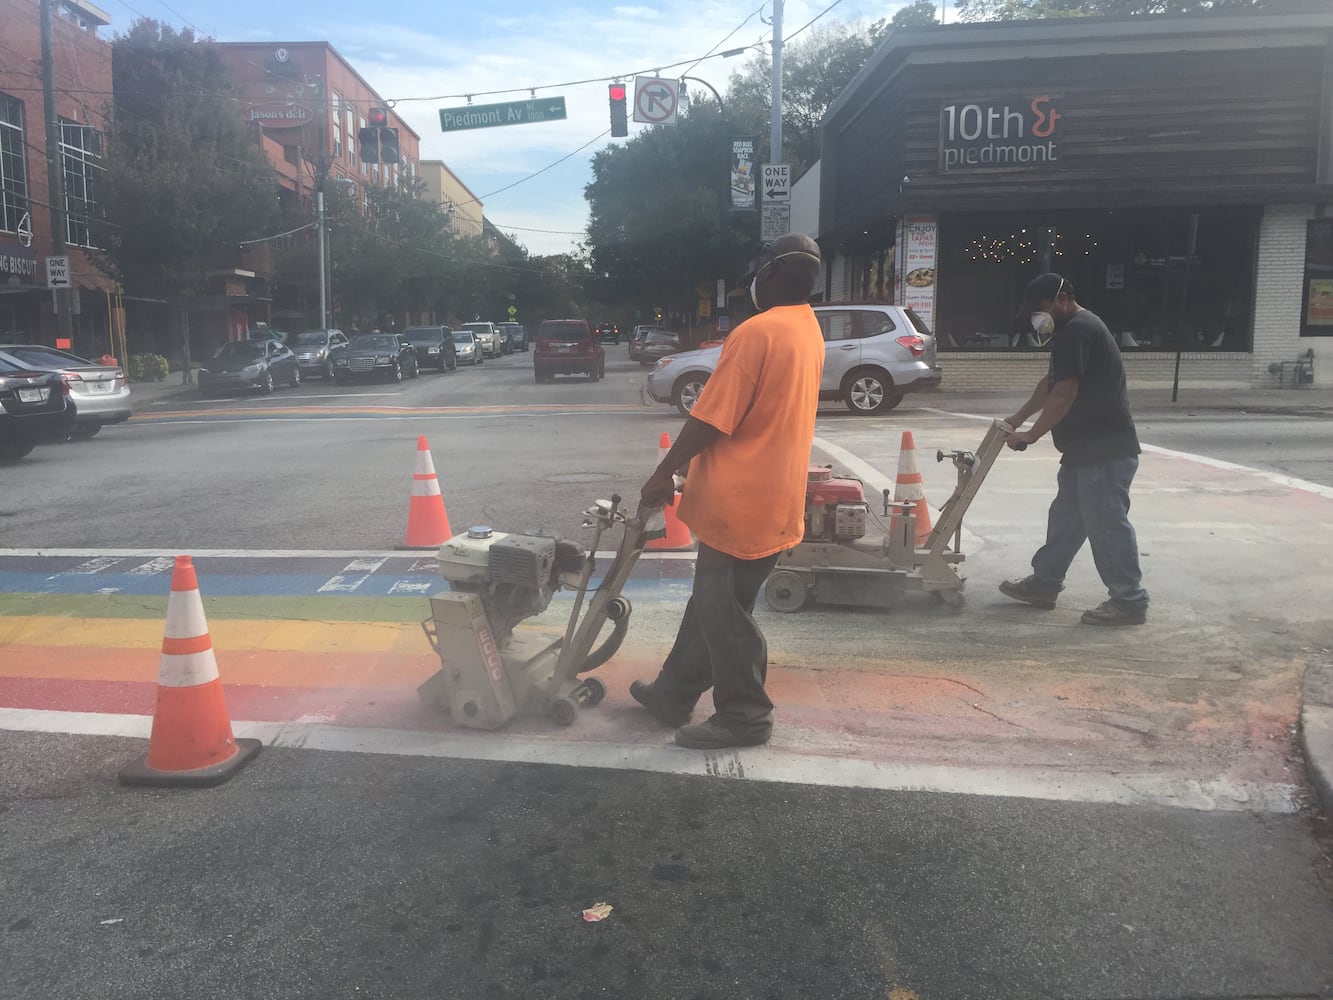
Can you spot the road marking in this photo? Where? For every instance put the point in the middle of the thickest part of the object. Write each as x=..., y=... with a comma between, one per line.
x=273, y=554
x=1277, y=478
x=751, y=764
x=95, y=565
x=407, y=587
x=154, y=566
x=355, y=573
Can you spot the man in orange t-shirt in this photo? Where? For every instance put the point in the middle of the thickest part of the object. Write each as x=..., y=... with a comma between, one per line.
x=747, y=442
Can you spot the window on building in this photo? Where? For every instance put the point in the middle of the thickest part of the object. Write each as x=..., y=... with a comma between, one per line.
x=349, y=119
x=13, y=167
x=337, y=124
x=81, y=157
x=365, y=167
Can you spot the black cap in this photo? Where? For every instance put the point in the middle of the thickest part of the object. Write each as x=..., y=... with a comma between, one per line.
x=1043, y=287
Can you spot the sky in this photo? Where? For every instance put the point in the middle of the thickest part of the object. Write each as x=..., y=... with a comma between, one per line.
x=428, y=56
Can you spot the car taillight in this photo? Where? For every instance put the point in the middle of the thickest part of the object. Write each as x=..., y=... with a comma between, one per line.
x=913, y=343
x=66, y=378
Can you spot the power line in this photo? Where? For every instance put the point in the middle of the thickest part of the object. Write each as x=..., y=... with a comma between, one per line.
x=811, y=21
x=720, y=44
x=521, y=180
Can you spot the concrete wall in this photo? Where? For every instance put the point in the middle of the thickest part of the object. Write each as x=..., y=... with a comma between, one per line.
x=986, y=371
x=1278, y=296
x=445, y=188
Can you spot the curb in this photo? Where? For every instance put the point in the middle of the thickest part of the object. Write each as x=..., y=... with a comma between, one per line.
x=1317, y=730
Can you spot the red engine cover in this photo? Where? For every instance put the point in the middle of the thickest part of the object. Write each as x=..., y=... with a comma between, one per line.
x=831, y=491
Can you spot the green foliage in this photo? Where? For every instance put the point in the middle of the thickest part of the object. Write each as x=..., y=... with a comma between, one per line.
x=918, y=14
x=147, y=368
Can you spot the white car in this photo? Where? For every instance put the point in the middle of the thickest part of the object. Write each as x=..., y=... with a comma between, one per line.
x=873, y=355
x=492, y=344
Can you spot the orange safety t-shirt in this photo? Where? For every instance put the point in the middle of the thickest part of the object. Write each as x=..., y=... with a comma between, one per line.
x=745, y=493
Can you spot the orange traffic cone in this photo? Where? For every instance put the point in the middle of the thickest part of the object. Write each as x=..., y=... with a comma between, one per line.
x=677, y=535
x=191, y=742
x=427, y=521
x=908, y=488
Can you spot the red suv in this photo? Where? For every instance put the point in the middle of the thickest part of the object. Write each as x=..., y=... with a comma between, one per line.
x=567, y=347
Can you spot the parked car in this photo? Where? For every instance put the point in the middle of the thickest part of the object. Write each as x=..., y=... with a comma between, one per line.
x=492, y=344
x=657, y=345
x=312, y=350
x=873, y=355
x=262, y=331
x=469, y=349
x=608, y=331
x=386, y=355
x=434, y=346
x=33, y=408
x=96, y=394
x=249, y=364
x=516, y=335
x=567, y=347
x=637, y=338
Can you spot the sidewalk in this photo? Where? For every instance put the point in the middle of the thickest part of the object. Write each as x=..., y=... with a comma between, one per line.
x=1191, y=401
x=146, y=395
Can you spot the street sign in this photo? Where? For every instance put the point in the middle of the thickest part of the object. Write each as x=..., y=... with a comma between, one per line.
x=512, y=312
x=777, y=182
x=57, y=272
x=774, y=220
x=655, y=100
x=548, y=109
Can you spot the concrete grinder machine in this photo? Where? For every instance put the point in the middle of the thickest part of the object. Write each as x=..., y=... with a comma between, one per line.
x=837, y=562
x=490, y=673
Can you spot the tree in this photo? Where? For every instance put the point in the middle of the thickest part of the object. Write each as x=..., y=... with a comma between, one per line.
x=184, y=183
x=1018, y=10
x=918, y=14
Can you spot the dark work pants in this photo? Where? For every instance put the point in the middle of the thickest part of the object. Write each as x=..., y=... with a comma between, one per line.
x=720, y=646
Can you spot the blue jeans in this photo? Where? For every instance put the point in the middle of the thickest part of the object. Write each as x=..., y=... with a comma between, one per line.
x=1092, y=505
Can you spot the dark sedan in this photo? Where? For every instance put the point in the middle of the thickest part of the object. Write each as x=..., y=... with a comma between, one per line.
x=32, y=409
x=434, y=346
x=657, y=345
x=375, y=355
x=249, y=364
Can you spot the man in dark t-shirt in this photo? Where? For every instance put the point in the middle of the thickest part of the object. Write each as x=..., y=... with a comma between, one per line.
x=1083, y=403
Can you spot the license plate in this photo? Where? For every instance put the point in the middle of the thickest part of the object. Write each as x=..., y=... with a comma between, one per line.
x=33, y=395
x=100, y=386
x=564, y=350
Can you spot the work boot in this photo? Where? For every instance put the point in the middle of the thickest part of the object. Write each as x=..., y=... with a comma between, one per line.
x=1115, y=612
x=716, y=735
x=1032, y=591
x=669, y=713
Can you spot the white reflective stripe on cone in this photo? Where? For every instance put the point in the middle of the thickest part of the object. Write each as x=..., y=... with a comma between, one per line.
x=425, y=466
x=184, y=670
x=426, y=487
x=910, y=491
x=185, y=615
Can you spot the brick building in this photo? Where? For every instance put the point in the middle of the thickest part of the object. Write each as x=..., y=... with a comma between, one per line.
x=1177, y=169
x=82, y=62
x=306, y=104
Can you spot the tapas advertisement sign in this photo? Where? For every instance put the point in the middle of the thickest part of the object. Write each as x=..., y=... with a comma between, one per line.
x=918, y=250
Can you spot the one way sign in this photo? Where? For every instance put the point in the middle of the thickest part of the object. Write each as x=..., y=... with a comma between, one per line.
x=776, y=182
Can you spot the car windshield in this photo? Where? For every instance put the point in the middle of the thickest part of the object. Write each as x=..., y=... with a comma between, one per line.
x=462, y=337
x=662, y=338
x=240, y=350
x=373, y=343
x=312, y=337
x=424, y=336
x=48, y=357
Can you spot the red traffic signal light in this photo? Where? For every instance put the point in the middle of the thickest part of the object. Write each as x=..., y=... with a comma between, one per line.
x=619, y=122
x=377, y=117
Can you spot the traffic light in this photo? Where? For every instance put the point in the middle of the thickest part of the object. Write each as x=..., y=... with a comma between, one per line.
x=368, y=144
x=619, y=123
x=389, y=145
x=378, y=142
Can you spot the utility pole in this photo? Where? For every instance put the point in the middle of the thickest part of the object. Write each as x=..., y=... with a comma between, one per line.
x=775, y=133
x=55, y=173
x=323, y=274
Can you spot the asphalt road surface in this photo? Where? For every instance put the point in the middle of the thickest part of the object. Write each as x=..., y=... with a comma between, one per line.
x=1135, y=824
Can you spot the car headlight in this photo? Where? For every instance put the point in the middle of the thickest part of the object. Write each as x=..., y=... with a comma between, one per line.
x=663, y=362
x=432, y=350
x=383, y=359
x=320, y=353
x=340, y=361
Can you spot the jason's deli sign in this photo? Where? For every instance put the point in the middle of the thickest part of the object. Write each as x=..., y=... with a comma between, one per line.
x=1020, y=132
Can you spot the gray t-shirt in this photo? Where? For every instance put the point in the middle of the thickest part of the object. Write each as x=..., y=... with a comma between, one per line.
x=1098, y=426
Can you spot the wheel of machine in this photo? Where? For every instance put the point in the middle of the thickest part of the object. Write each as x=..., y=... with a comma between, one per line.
x=397, y=374
x=786, y=592
x=596, y=691
x=686, y=392
x=564, y=712
x=954, y=600
x=868, y=391
x=296, y=377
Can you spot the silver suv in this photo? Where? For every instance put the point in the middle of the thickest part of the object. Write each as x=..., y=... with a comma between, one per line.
x=873, y=355
x=488, y=338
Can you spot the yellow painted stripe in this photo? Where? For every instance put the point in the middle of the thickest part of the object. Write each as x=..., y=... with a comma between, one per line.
x=227, y=633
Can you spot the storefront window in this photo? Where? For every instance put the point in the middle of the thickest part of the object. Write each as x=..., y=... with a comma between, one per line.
x=1161, y=280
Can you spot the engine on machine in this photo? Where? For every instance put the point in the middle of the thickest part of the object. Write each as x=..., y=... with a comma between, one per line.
x=835, y=509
